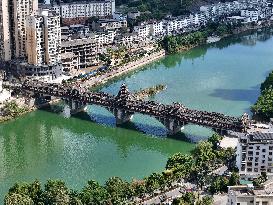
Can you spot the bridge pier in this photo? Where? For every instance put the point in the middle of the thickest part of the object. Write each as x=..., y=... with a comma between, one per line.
x=121, y=116
x=173, y=126
x=73, y=107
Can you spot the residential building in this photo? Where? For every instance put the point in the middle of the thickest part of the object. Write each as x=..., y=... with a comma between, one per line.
x=255, y=153
x=109, y=24
x=82, y=53
x=12, y=27
x=77, y=29
x=156, y=28
x=127, y=39
x=170, y=25
x=87, y=9
x=119, y=16
x=252, y=13
x=133, y=14
x=103, y=38
x=43, y=39
x=249, y=195
x=143, y=31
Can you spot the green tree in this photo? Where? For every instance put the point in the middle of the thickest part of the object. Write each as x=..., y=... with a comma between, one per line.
x=219, y=184
x=206, y=200
x=260, y=180
x=215, y=140
x=234, y=179
x=268, y=82
x=56, y=192
x=119, y=190
x=25, y=192
x=94, y=194
x=264, y=105
x=153, y=182
x=18, y=199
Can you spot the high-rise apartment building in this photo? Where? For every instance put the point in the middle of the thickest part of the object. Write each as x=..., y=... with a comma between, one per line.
x=255, y=153
x=43, y=38
x=13, y=14
x=5, y=31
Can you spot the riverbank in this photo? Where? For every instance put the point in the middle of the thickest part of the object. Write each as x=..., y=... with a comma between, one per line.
x=132, y=66
x=14, y=108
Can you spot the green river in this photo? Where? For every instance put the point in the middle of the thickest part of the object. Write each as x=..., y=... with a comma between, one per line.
x=222, y=77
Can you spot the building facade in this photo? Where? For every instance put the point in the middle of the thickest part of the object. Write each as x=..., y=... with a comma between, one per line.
x=87, y=9
x=43, y=39
x=13, y=14
x=255, y=154
x=249, y=195
x=82, y=53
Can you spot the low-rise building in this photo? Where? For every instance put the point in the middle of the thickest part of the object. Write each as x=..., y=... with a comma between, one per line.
x=156, y=28
x=87, y=9
x=109, y=24
x=84, y=50
x=252, y=13
x=248, y=195
x=133, y=14
x=143, y=31
x=77, y=29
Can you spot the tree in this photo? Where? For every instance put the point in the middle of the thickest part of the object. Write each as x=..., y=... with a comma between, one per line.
x=204, y=154
x=268, y=82
x=206, y=200
x=215, y=140
x=154, y=182
x=56, y=192
x=119, y=190
x=94, y=194
x=179, y=159
x=264, y=105
x=18, y=199
x=260, y=180
x=139, y=188
x=219, y=184
x=234, y=179
x=25, y=193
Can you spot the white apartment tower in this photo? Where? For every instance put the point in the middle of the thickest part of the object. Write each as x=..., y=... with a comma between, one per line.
x=5, y=31
x=43, y=39
x=13, y=14
x=255, y=154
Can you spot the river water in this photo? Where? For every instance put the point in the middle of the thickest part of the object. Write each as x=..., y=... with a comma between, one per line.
x=222, y=77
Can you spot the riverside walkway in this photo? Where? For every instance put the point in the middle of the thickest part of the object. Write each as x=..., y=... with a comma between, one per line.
x=125, y=104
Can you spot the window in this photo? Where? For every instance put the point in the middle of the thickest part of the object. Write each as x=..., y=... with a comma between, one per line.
x=263, y=150
x=257, y=153
x=258, y=148
x=249, y=169
x=255, y=169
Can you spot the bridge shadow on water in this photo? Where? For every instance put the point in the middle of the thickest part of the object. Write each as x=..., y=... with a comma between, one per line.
x=104, y=120
x=147, y=129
